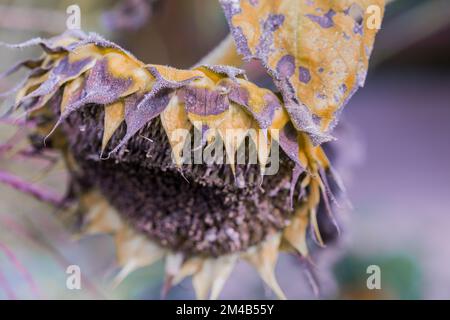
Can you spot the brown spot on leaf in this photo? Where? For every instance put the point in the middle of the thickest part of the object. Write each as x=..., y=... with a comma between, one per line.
x=286, y=66
x=304, y=74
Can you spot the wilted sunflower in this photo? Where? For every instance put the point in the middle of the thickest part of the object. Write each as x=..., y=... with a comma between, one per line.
x=113, y=118
x=123, y=128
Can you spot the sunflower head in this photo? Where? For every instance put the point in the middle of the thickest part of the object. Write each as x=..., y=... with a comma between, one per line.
x=142, y=144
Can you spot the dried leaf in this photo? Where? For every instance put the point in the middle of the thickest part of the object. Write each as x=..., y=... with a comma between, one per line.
x=317, y=52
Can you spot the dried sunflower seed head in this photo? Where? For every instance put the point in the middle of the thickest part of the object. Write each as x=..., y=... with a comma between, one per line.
x=125, y=125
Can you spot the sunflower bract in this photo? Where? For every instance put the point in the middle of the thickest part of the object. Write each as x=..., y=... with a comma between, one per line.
x=115, y=120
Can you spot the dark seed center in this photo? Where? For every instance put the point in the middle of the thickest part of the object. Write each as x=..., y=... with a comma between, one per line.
x=202, y=213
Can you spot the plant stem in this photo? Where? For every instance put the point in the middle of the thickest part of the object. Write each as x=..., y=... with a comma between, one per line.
x=26, y=187
x=224, y=54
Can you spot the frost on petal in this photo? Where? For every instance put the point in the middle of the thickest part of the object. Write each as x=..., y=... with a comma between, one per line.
x=138, y=114
x=99, y=41
x=221, y=71
x=65, y=70
x=171, y=78
x=316, y=51
x=94, y=71
x=289, y=143
x=58, y=44
x=204, y=102
x=29, y=64
x=259, y=102
x=101, y=87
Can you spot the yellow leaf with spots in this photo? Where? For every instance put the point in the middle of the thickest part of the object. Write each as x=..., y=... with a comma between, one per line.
x=316, y=51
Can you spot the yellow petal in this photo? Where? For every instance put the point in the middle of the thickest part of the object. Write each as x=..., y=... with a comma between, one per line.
x=125, y=67
x=222, y=269
x=71, y=92
x=188, y=268
x=177, y=126
x=315, y=225
x=295, y=233
x=101, y=217
x=135, y=251
x=212, y=276
x=280, y=119
x=233, y=129
x=256, y=95
x=30, y=85
x=86, y=51
x=114, y=115
x=321, y=157
x=232, y=126
x=263, y=144
x=264, y=258
x=176, y=75
x=173, y=263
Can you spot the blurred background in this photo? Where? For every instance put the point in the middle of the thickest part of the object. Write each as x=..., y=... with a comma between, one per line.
x=395, y=137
